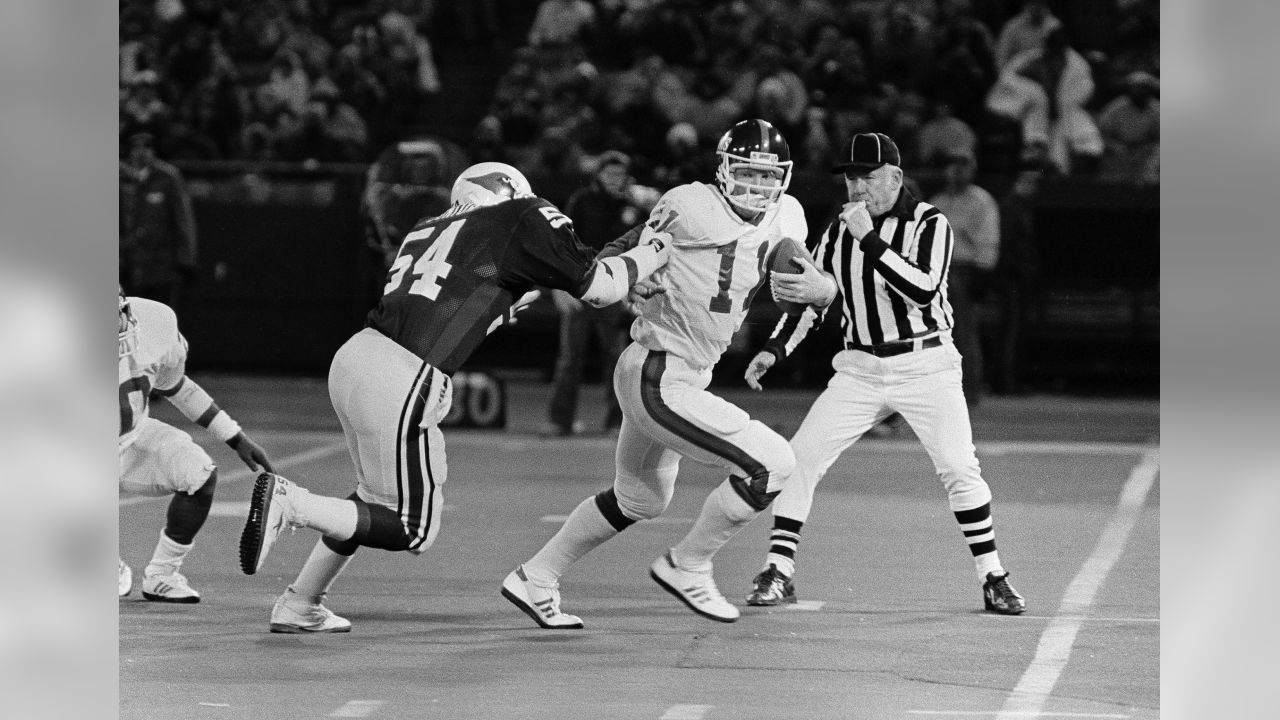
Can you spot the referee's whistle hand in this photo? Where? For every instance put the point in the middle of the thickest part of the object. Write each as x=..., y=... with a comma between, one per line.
x=856, y=218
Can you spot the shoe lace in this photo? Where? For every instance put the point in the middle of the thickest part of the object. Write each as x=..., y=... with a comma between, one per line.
x=769, y=580
x=1002, y=588
x=708, y=584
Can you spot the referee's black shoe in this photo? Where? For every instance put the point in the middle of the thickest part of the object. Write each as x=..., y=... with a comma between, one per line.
x=772, y=588
x=1000, y=597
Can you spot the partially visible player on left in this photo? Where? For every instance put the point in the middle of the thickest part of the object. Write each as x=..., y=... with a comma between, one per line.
x=157, y=459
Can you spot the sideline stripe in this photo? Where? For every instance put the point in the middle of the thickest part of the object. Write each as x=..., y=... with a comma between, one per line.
x=640, y=523
x=357, y=709
x=686, y=712
x=244, y=473
x=984, y=712
x=1029, y=696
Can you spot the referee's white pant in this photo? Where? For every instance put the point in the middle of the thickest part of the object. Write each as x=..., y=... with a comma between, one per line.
x=924, y=387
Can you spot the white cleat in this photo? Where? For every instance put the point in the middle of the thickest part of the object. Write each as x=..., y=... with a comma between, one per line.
x=270, y=512
x=697, y=590
x=126, y=578
x=541, y=604
x=298, y=616
x=171, y=588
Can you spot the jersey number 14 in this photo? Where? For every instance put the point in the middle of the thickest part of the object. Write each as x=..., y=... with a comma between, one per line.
x=430, y=267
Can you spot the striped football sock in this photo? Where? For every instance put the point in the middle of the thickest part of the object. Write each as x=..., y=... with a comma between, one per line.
x=783, y=542
x=980, y=532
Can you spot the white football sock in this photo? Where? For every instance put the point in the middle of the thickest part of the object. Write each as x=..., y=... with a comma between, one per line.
x=585, y=530
x=168, y=556
x=333, y=517
x=785, y=565
x=318, y=573
x=988, y=562
x=723, y=515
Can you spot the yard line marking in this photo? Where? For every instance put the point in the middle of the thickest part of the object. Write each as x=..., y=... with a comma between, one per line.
x=358, y=708
x=806, y=605
x=1050, y=447
x=984, y=712
x=686, y=712
x=652, y=521
x=227, y=508
x=216, y=704
x=244, y=473
x=1007, y=618
x=1029, y=696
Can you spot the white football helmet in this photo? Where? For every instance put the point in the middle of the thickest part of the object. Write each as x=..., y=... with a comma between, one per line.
x=758, y=145
x=489, y=183
x=128, y=327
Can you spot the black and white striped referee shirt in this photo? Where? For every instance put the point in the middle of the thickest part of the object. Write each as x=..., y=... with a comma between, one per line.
x=892, y=284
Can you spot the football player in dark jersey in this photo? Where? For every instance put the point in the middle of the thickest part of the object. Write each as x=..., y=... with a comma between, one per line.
x=457, y=277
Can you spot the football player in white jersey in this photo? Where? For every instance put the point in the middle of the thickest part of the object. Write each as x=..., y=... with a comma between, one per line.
x=157, y=459
x=720, y=237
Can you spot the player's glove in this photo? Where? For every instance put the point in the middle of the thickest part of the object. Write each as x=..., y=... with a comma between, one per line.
x=758, y=366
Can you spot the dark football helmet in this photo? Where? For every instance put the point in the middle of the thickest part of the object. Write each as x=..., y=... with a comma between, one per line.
x=754, y=144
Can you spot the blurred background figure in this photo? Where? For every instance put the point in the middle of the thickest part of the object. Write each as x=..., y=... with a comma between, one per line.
x=157, y=226
x=560, y=22
x=975, y=219
x=410, y=180
x=1130, y=126
x=1046, y=89
x=944, y=135
x=1025, y=31
x=607, y=208
x=1017, y=280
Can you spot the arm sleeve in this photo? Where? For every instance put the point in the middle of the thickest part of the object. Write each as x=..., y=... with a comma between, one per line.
x=196, y=404
x=173, y=364
x=611, y=278
x=545, y=251
x=790, y=331
x=916, y=280
x=621, y=244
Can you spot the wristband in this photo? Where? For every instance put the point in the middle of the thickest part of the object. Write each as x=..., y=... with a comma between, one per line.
x=223, y=427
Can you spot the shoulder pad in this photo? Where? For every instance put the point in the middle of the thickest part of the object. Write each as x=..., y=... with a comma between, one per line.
x=157, y=328
x=696, y=214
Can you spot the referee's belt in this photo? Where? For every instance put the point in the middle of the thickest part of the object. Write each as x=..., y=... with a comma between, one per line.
x=897, y=347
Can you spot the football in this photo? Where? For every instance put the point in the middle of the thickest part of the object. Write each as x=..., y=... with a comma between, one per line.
x=779, y=261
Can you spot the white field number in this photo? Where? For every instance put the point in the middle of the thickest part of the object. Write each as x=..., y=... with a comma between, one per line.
x=429, y=269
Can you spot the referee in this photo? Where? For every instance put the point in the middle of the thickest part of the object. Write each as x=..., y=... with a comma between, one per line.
x=889, y=254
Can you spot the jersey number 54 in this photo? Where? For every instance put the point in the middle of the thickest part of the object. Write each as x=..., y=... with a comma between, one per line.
x=428, y=260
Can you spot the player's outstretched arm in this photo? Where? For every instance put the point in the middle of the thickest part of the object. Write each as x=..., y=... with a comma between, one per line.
x=612, y=278
x=196, y=404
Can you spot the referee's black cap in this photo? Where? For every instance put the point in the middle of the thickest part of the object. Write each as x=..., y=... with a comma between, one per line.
x=868, y=151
